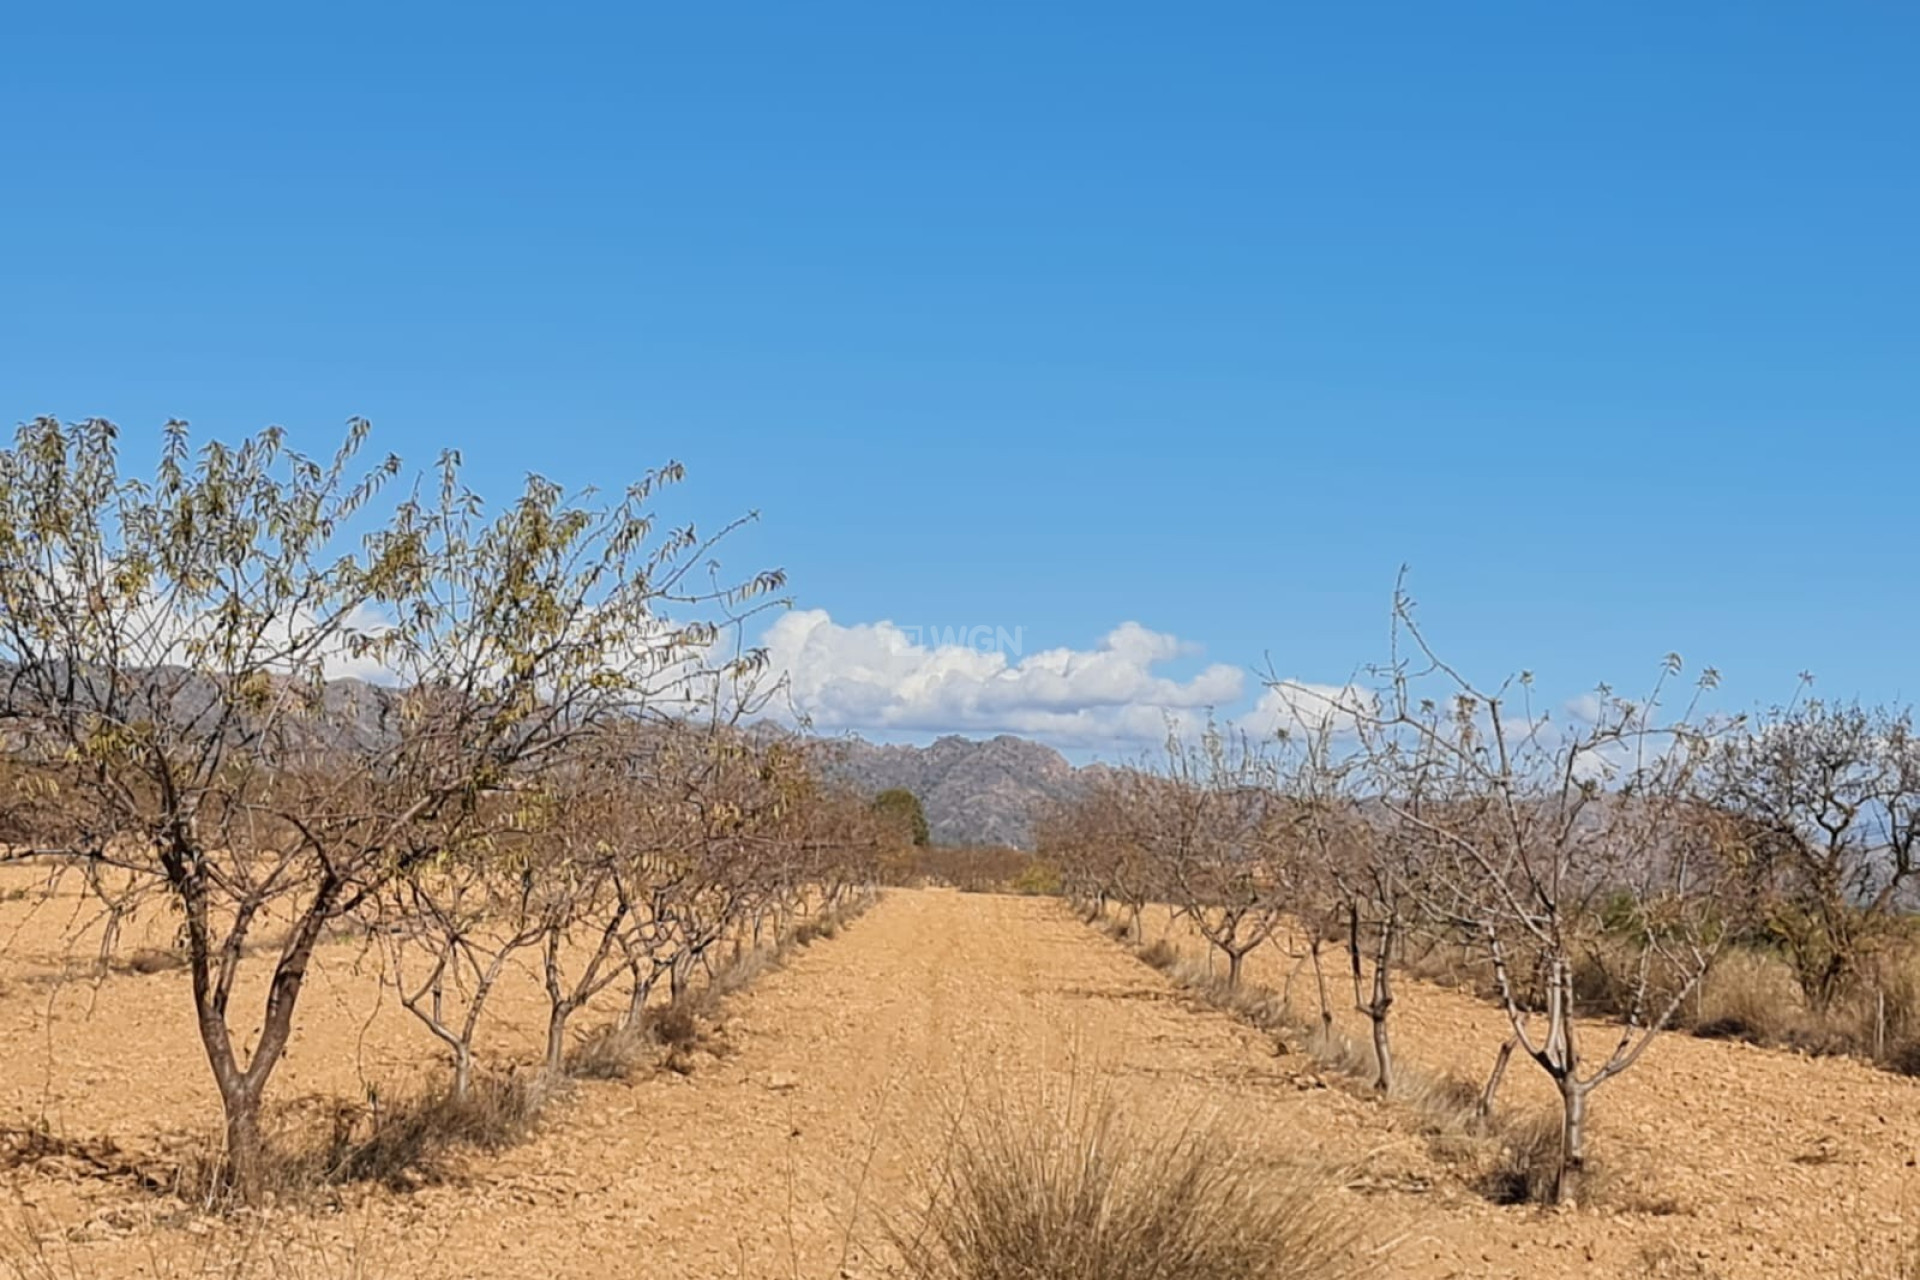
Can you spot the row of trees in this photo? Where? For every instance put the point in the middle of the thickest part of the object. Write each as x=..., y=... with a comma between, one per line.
x=1423, y=808
x=548, y=761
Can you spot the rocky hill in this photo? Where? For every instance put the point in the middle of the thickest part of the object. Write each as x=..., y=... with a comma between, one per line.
x=974, y=792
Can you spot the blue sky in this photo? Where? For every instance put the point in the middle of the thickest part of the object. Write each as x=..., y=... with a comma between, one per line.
x=1053, y=317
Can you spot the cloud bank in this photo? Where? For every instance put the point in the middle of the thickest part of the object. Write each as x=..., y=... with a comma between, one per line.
x=1114, y=697
x=878, y=677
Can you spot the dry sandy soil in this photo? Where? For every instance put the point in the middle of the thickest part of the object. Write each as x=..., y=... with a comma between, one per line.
x=789, y=1155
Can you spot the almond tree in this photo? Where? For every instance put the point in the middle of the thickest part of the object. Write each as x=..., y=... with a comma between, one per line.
x=167, y=647
x=1212, y=823
x=1826, y=797
x=1531, y=826
x=465, y=921
x=1347, y=866
x=1096, y=840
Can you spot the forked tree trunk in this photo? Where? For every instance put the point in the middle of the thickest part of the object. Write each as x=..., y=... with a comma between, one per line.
x=241, y=1089
x=1380, y=1003
x=245, y=1148
x=462, y=1069
x=557, y=1017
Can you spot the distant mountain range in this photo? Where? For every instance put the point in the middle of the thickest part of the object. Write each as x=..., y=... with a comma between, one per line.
x=974, y=792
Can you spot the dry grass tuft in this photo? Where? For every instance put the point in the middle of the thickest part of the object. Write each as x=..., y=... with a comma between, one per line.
x=677, y=1026
x=1747, y=997
x=609, y=1052
x=400, y=1143
x=1160, y=954
x=1528, y=1162
x=1082, y=1191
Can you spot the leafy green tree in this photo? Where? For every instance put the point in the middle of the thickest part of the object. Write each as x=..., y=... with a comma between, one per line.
x=901, y=805
x=169, y=647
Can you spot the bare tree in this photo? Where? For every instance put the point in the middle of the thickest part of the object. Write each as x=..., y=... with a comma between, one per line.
x=1211, y=822
x=1096, y=839
x=1531, y=826
x=1347, y=867
x=466, y=921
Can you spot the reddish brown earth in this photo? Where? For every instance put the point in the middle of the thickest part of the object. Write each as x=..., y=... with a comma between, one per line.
x=790, y=1155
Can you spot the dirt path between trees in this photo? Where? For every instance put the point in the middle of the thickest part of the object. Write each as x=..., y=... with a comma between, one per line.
x=788, y=1156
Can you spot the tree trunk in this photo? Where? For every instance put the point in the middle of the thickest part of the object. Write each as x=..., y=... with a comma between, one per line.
x=462, y=1069
x=1320, y=981
x=245, y=1150
x=1233, y=969
x=680, y=976
x=1382, y=1004
x=1382, y=1046
x=1573, y=1142
x=557, y=1037
x=637, y=999
x=241, y=1090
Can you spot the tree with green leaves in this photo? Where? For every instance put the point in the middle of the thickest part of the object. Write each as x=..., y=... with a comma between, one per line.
x=169, y=654
x=903, y=806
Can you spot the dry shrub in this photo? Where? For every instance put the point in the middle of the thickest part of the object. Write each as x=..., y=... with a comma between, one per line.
x=1528, y=1162
x=1904, y=1058
x=829, y=922
x=1510, y=1161
x=398, y=1143
x=609, y=1052
x=1446, y=1104
x=1160, y=954
x=614, y=1052
x=407, y=1138
x=1752, y=996
x=1082, y=1191
x=741, y=972
x=1747, y=996
x=677, y=1026
x=1518, y=1157
x=1448, y=963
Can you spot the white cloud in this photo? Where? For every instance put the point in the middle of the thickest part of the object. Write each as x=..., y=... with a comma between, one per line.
x=878, y=677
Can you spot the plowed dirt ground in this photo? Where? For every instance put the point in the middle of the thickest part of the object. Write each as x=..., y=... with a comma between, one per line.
x=790, y=1155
